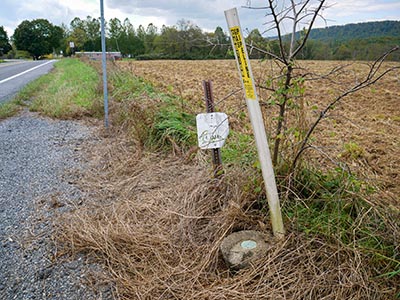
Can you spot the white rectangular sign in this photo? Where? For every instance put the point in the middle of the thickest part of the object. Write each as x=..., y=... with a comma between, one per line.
x=212, y=130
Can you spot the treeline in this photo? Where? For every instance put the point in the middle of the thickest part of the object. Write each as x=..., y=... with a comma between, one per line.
x=186, y=40
x=362, y=41
x=359, y=31
x=353, y=49
x=327, y=49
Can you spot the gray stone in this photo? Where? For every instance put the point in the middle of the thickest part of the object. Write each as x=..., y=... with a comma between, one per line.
x=241, y=248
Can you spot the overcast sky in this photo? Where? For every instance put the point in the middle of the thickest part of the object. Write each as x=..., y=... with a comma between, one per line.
x=207, y=14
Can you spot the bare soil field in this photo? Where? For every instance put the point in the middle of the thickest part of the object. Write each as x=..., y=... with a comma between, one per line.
x=362, y=131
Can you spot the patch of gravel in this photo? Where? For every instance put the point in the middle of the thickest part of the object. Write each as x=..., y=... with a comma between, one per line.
x=37, y=158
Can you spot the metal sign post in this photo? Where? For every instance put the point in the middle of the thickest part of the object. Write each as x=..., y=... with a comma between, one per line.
x=72, y=47
x=257, y=123
x=216, y=152
x=104, y=63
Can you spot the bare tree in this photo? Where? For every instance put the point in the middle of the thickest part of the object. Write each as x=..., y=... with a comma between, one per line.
x=296, y=15
x=300, y=16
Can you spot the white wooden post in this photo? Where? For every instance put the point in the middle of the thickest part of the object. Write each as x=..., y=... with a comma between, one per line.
x=257, y=123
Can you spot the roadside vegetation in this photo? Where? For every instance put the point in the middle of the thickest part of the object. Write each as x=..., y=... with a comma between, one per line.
x=9, y=109
x=157, y=216
x=71, y=90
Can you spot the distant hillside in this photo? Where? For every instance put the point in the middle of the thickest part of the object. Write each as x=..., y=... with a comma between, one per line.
x=362, y=41
x=357, y=31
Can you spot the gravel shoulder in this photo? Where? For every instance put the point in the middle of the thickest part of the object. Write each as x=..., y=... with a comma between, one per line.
x=39, y=159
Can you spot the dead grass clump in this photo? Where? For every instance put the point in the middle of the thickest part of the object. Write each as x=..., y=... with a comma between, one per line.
x=157, y=224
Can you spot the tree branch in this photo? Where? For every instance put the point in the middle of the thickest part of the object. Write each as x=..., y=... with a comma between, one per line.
x=276, y=20
x=316, y=14
x=369, y=80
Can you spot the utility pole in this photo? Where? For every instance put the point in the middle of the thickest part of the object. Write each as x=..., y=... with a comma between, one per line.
x=104, y=64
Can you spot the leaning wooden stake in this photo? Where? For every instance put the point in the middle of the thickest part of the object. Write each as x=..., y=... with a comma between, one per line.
x=257, y=123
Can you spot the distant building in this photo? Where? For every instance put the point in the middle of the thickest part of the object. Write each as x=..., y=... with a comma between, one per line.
x=97, y=55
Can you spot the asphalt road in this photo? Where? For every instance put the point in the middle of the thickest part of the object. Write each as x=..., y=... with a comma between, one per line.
x=14, y=75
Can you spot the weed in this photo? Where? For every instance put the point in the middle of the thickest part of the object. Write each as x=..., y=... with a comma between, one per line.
x=156, y=120
x=161, y=233
x=352, y=150
x=332, y=205
x=128, y=87
x=239, y=150
x=26, y=94
x=8, y=109
x=173, y=129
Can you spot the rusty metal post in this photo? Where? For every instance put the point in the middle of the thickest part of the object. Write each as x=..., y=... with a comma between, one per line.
x=216, y=152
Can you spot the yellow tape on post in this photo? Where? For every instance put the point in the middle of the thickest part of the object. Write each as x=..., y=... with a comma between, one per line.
x=243, y=63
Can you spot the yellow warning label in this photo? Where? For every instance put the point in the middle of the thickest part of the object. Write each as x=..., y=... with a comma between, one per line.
x=243, y=62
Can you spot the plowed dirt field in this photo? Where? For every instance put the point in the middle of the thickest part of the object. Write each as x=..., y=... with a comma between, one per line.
x=362, y=131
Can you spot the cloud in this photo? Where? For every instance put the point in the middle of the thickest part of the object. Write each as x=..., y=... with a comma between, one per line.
x=356, y=11
x=57, y=12
x=207, y=14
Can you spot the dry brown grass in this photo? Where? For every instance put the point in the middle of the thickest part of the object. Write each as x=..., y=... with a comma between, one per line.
x=156, y=223
x=369, y=118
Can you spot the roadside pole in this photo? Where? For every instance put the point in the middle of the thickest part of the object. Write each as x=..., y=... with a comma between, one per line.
x=104, y=63
x=257, y=123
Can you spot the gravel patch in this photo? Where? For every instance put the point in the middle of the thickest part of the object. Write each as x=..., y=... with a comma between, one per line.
x=37, y=158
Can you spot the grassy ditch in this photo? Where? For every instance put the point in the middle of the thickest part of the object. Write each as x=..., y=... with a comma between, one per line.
x=9, y=109
x=155, y=120
x=69, y=91
x=156, y=217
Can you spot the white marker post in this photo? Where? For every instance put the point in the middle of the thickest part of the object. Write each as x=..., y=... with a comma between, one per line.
x=244, y=67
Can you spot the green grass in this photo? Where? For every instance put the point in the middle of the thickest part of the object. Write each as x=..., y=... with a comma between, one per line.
x=27, y=92
x=9, y=109
x=69, y=91
x=240, y=149
x=333, y=206
x=164, y=121
x=173, y=128
x=155, y=119
x=127, y=87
